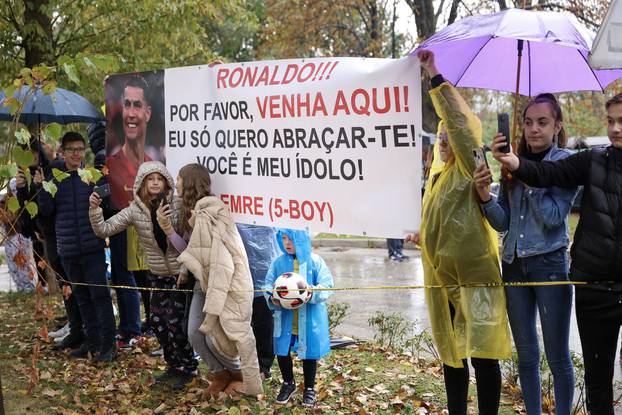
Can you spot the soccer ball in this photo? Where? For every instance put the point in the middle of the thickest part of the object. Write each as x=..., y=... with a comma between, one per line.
x=290, y=289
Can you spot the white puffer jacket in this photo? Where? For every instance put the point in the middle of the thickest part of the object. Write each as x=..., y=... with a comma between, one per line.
x=139, y=215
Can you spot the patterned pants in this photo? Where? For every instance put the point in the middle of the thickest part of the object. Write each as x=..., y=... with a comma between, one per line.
x=167, y=310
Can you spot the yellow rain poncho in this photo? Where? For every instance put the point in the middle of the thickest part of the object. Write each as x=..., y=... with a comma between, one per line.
x=459, y=247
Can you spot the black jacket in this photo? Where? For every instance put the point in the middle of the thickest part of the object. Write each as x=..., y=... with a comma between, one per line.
x=70, y=208
x=597, y=248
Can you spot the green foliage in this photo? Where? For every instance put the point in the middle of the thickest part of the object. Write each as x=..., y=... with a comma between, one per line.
x=59, y=175
x=337, y=312
x=391, y=330
x=7, y=171
x=32, y=208
x=23, y=136
x=13, y=204
x=86, y=175
x=22, y=158
x=50, y=187
x=51, y=132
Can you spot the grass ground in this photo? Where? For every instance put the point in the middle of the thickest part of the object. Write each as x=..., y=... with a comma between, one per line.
x=361, y=379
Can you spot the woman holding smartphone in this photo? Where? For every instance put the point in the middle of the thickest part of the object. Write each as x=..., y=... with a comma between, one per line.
x=460, y=256
x=534, y=250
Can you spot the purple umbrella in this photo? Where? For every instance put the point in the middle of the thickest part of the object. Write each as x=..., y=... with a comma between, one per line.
x=482, y=52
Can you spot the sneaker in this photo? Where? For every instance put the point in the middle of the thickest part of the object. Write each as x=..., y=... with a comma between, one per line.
x=60, y=339
x=63, y=331
x=68, y=342
x=107, y=356
x=184, y=379
x=395, y=258
x=308, y=397
x=404, y=257
x=266, y=374
x=156, y=353
x=169, y=374
x=81, y=352
x=286, y=392
x=127, y=342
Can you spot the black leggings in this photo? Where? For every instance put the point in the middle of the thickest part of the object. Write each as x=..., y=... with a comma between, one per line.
x=487, y=378
x=143, y=280
x=309, y=369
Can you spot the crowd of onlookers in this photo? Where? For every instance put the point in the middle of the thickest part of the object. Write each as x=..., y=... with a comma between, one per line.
x=211, y=280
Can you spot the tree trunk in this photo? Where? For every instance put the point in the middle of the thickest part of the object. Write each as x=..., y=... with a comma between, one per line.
x=38, y=34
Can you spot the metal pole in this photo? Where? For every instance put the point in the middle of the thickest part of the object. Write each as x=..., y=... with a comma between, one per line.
x=519, y=47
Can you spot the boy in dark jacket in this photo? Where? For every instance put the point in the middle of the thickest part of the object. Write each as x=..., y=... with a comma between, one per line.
x=81, y=251
x=597, y=248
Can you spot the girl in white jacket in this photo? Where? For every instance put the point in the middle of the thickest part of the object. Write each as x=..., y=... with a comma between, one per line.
x=153, y=188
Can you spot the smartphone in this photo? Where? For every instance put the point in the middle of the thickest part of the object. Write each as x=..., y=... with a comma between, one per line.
x=480, y=157
x=103, y=191
x=503, y=126
x=158, y=199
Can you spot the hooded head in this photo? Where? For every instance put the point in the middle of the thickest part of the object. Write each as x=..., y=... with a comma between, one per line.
x=145, y=170
x=300, y=240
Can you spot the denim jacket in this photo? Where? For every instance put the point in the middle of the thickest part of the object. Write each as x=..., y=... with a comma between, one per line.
x=535, y=219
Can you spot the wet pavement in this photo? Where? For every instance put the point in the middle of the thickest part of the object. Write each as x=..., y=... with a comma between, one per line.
x=361, y=267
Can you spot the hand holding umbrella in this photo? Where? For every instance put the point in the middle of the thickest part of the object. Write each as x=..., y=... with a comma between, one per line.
x=426, y=58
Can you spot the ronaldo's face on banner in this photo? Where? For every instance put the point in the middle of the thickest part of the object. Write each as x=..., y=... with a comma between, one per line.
x=136, y=113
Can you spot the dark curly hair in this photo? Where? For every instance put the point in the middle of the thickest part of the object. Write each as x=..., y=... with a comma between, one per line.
x=196, y=184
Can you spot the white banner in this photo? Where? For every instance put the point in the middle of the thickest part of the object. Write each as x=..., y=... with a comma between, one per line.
x=327, y=144
x=607, y=49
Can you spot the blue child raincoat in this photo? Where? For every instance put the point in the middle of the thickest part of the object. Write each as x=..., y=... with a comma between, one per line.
x=313, y=338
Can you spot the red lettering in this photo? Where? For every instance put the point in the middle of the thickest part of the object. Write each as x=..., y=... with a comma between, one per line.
x=263, y=78
x=294, y=211
x=274, y=107
x=273, y=81
x=249, y=76
x=294, y=68
x=221, y=76
x=262, y=108
x=341, y=104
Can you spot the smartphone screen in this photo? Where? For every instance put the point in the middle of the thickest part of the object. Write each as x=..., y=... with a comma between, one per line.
x=503, y=124
x=480, y=157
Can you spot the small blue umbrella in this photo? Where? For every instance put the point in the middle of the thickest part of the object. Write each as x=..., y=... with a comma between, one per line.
x=61, y=106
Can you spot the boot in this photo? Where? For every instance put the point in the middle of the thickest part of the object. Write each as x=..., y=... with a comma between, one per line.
x=235, y=386
x=220, y=382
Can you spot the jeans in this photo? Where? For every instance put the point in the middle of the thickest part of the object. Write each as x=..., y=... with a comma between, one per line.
x=201, y=343
x=599, y=316
x=127, y=299
x=263, y=323
x=94, y=302
x=395, y=246
x=553, y=304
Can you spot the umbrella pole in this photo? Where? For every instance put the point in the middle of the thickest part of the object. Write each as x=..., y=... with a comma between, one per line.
x=519, y=47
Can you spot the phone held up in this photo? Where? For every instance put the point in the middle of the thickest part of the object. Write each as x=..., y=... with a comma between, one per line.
x=102, y=191
x=479, y=154
x=160, y=197
x=503, y=124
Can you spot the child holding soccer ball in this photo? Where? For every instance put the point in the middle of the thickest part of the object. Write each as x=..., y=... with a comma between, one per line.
x=305, y=329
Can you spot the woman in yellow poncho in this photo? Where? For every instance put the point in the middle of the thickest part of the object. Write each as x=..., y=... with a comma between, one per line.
x=460, y=249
